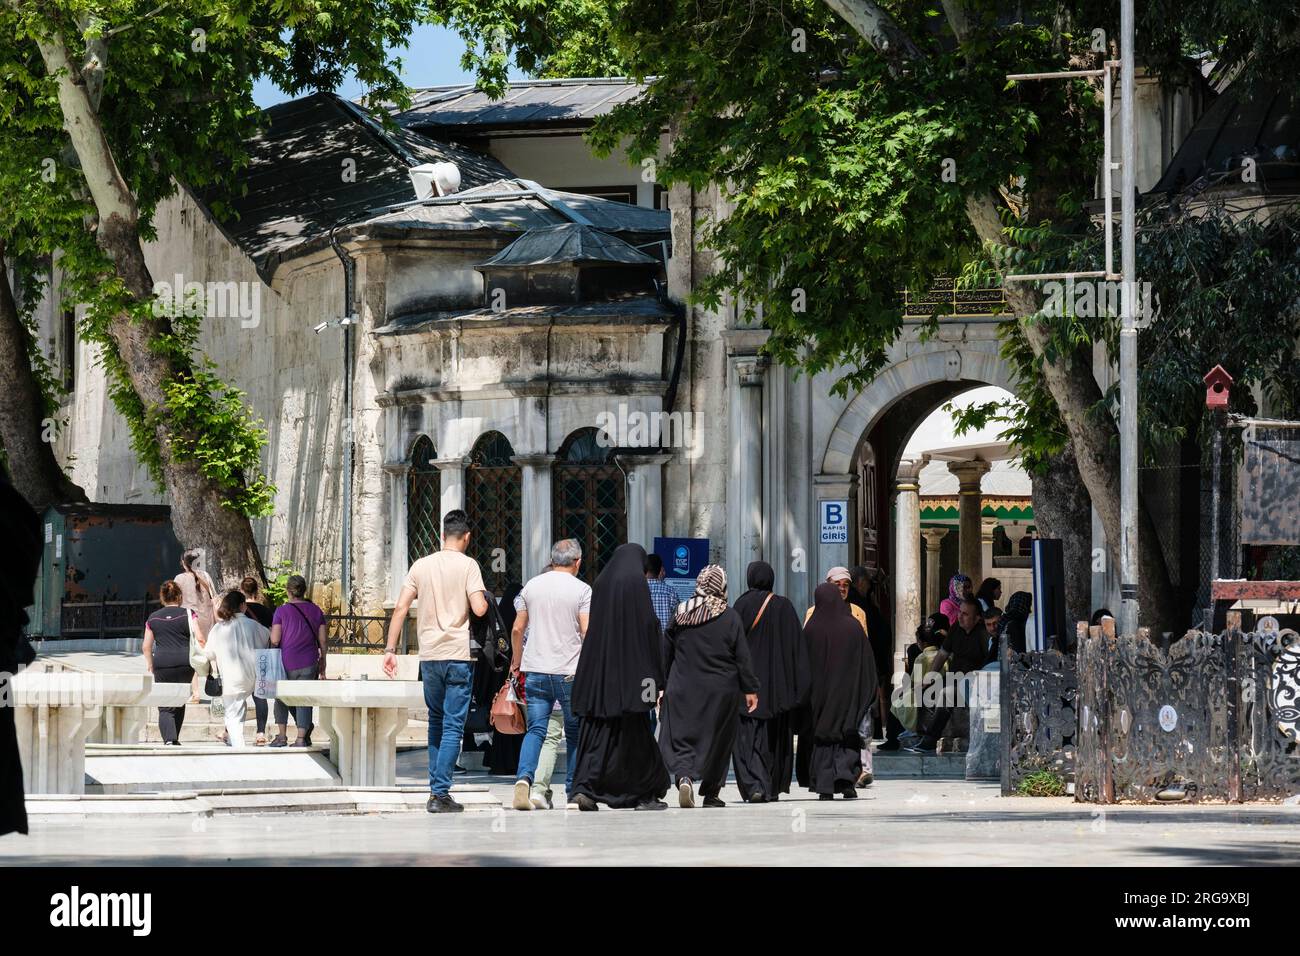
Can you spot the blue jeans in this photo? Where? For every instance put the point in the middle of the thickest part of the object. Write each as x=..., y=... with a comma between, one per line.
x=541, y=692
x=447, y=686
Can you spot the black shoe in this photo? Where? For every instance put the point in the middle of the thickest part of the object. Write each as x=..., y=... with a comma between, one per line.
x=924, y=747
x=585, y=802
x=825, y=796
x=889, y=746
x=714, y=802
x=652, y=805
x=757, y=798
x=460, y=769
x=443, y=804
x=849, y=793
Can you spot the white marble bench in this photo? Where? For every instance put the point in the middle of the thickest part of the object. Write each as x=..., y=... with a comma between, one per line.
x=125, y=724
x=363, y=718
x=54, y=713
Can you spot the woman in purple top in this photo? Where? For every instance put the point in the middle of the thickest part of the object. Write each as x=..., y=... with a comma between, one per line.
x=298, y=629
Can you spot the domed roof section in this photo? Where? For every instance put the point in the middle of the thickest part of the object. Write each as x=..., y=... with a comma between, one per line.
x=567, y=243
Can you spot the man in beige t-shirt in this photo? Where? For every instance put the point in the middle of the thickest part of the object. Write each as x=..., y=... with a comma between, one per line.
x=448, y=585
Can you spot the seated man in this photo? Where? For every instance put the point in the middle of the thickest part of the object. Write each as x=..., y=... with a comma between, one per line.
x=964, y=650
x=992, y=627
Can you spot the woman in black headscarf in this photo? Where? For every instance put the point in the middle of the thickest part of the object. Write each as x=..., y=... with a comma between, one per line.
x=763, y=755
x=843, y=687
x=619, y=679
x=1013, y=622
x=706, y=659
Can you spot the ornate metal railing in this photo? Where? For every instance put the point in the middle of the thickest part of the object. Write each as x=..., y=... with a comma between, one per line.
x=1207, y=716
x=1040, y=692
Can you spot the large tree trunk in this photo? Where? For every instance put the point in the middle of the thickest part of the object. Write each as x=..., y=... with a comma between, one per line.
x=33, y=468
x=200, y=515
x=1061, y=510
x=1069, y=380
x=1094, y=438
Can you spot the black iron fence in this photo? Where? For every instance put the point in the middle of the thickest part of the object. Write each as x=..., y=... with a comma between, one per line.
x=354, y=633
x=363, y=633
x=1039, y=697
x=105, y=618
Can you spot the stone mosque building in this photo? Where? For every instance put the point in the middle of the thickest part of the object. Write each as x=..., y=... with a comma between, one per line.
x=495, y=332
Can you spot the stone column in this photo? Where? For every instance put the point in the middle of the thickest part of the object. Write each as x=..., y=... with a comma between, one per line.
x=535, y=511
x=645, y=497
x=451, y=481
x=907, y=557
x=933, y=541
x=988, y=527
x=397, y=474
x=745, y=489
x=970, y=560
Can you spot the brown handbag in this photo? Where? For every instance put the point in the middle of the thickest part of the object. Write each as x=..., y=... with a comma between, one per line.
x=507, y=716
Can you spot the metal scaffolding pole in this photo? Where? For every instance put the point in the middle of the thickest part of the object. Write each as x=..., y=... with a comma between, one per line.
x=1128, y=422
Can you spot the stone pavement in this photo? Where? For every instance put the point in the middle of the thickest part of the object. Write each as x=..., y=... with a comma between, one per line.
x=895, y=822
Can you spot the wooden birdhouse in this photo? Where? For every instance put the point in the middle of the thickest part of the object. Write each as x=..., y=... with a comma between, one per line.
x=1217, y=384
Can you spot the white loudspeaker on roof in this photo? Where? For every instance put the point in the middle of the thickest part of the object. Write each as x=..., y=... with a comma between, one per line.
x=431, y=179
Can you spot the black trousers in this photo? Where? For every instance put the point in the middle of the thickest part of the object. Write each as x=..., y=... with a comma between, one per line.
x=170, y=719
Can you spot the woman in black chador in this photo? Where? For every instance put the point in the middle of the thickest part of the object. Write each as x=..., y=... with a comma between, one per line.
x=706, y=659
x=763, y=755
x=620, y=675
x=21, y=559
x=843, y=687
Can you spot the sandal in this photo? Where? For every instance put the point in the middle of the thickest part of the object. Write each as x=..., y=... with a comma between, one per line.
x=280, y=741
x=260, y=741
x=194, y=699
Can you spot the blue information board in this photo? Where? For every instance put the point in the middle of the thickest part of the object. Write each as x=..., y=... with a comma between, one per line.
x=682, y=557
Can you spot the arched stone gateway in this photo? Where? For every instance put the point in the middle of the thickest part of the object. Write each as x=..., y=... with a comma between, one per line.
x=899, y=380
x=933, y=373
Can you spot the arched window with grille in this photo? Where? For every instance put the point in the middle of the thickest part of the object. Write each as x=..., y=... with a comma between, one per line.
x=494, y=500
x=423, y=502
x=589, y=500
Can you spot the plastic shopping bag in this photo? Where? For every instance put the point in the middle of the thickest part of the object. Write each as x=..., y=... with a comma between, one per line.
x=269, y=671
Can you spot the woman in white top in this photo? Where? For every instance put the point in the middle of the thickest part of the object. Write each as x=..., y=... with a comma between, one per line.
x=199, y=596
x=233, y=644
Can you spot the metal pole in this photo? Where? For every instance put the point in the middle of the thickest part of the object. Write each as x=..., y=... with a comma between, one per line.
x=1107, y=167
x=1214, y=519
x=1128, y=431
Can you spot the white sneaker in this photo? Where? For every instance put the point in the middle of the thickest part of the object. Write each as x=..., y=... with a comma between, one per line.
x=522, y=790
x=685, y=794
x=539, y=803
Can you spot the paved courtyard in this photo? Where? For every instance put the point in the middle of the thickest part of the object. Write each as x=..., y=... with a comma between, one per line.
x=895, y=822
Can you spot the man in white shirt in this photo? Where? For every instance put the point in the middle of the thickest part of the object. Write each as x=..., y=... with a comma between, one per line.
x=553, y=608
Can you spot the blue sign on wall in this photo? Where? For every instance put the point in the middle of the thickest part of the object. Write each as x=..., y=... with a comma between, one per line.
x=682, y=557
